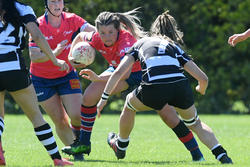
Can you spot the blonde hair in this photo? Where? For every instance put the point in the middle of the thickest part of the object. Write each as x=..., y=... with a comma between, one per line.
x=166, y=27
x=128, y=21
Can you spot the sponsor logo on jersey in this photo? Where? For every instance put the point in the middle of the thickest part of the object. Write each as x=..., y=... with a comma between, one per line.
x=102, y=51
x=49, y=38
x=124, y=50
x=65, y=33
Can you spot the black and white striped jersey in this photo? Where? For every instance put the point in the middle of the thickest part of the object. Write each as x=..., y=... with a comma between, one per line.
x=161, y=61
x=12, y=40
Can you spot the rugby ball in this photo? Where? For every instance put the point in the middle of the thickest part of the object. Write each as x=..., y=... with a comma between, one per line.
x=83, y=53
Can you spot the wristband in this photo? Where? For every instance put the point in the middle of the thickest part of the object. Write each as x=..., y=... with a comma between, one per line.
x=105, y=96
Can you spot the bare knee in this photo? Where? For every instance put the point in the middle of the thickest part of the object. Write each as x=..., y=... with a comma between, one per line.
x=194, y=127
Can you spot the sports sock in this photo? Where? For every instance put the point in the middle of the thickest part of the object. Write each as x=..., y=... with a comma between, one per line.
x=187, y=138
x=45, y=136
x=1, y=128
x=122, y=144
x=88, y=116
x=218, y=151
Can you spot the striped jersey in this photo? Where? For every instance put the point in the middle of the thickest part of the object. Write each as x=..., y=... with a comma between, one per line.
x=71, y=25
x=114, y=54
x=12, y=40
x=161, y=61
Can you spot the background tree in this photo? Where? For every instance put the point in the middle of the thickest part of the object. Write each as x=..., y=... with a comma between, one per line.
x=206, y=25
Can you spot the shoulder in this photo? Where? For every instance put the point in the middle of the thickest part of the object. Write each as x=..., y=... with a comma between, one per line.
x=24, y=9
x=125, y=35
x=125, y=39
x=71, y=16
x=41, y=20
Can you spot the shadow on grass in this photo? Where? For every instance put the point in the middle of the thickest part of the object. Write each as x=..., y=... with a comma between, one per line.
x=151, y=162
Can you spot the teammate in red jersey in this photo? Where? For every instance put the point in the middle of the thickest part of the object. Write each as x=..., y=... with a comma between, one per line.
x=58, y=91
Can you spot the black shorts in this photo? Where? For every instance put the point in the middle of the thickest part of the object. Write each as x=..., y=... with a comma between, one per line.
x=178, y=94
x=14, y=80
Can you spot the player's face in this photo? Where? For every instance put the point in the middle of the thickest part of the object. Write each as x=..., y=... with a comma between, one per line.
x=108, y=34
x=56, y=7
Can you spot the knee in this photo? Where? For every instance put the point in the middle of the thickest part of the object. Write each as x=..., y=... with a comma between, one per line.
x=194, y=127
x=62, y=123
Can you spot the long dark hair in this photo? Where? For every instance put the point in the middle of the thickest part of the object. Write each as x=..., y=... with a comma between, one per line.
x=166, y=26
x=11, y=14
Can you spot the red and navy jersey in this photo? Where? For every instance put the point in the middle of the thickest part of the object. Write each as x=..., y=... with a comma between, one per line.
x=114, y=54
x=71, y=24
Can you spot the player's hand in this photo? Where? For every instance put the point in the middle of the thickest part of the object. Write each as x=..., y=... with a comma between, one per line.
x=62, y=64
x=100, y=106
x=60, y=47
x=89, y=74
x=200, y=89
x=75, y=64
x=234, y=39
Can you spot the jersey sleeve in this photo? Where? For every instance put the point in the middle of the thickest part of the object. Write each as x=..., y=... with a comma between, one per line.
x=80, y=25
x=26, y=13
x=133, y=52
x=182, y=57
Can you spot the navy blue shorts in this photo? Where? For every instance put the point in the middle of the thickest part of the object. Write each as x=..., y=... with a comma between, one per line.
x=14, y=80
x=134, y=79
x=46, y=88
x=178, y=94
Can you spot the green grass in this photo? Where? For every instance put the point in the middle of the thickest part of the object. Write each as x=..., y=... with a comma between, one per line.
x=151, y=143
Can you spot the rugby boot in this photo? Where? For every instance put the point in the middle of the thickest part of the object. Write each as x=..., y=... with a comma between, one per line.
x=226, y=160
x=77, y=148
x=112, y=141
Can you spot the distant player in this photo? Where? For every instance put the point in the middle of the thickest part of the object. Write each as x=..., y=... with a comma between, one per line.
x=58, y=92
x=14, y=77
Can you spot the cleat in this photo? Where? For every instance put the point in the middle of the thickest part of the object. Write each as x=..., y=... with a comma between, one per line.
x=112, y=140
x=225, y=160
x=199, y=160
x=77, y=148
x=78, y=157
x=2, y=159
x=62, y=162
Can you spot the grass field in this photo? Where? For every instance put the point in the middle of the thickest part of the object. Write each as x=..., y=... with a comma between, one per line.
x=151, y=143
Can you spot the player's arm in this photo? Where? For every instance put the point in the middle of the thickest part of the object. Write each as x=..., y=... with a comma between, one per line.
x=125, y=65
x=199, y=75
x=236, y=38
x=39, y=39
x=37, y=56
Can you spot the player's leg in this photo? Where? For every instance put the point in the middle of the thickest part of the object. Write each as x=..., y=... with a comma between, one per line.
x=27, y=100
x=55, y=109
x=169, y=116
x=72, y=103
x=2, y=94
x=71, y=95
x=204, y=133
x=119, y=143
x=91, y=96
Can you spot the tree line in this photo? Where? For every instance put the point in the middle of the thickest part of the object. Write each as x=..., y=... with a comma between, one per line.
x=206, y=25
